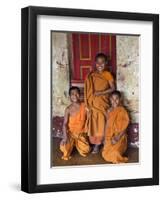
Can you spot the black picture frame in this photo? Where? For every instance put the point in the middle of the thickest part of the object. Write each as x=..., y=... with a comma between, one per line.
x=29, y=99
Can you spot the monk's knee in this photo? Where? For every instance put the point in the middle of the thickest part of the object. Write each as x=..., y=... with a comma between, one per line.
x=83, y=150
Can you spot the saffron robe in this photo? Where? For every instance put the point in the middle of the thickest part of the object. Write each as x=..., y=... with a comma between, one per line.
x=118, y=122
x=97, y=105
x=76, y=135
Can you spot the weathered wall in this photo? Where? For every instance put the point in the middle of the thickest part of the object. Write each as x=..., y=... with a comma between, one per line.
x=60, y=73
x=128, y=72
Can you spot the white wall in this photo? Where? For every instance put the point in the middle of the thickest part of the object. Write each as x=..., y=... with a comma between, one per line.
x=10, y=100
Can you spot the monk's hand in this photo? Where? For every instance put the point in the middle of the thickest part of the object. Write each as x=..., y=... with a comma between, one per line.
x=87, y=109
x=115, y=139
x=98, y=93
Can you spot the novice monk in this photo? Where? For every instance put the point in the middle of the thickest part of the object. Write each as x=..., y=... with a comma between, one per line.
x=98, y=85
x=115, y=143
x=74, y=127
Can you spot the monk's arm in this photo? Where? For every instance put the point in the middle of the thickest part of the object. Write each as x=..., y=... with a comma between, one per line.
x=87, y=90
x=123, y=121
x=85, y=93
x=111, y=89
x=65, y=122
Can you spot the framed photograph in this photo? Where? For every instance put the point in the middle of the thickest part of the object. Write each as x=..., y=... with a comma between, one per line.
x=90, y=99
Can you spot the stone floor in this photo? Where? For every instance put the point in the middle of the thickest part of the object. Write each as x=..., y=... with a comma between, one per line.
x=91, y=159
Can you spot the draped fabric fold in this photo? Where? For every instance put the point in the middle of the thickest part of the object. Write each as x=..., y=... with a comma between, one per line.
x=97, y=105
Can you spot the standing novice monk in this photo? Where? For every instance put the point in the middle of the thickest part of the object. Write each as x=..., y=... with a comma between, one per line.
x=74, y=127
x=98, y=85
x=115, y=143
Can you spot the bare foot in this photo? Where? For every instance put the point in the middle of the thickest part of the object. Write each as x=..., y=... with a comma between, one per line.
x=96, y=149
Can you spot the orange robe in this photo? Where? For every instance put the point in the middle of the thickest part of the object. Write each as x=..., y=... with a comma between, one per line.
x=76, y=135
x=118, y=122
x=97, y=105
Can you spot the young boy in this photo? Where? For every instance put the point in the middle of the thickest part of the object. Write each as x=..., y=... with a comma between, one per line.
x=98, y=85
x=115, y=143
x=74, y=127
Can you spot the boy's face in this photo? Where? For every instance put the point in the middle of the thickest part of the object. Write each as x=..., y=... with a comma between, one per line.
x=115, y=100
x=100, y=64
x=74, y=96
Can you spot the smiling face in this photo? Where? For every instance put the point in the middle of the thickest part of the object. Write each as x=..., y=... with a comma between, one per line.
x=100, y=64
x=115, y=100
x=74, y=96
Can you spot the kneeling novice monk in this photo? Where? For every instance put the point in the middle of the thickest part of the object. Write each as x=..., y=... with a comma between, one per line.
x=74, y=133
x=115, y=143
